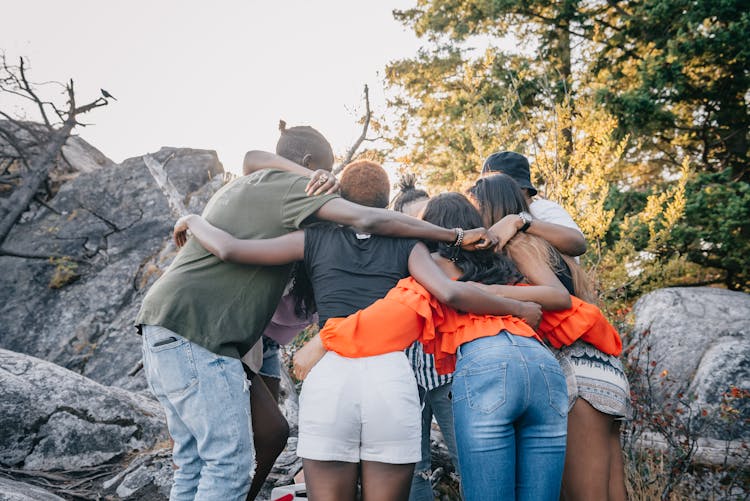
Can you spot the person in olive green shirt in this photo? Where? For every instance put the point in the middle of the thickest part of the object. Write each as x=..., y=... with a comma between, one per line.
x=203, y=314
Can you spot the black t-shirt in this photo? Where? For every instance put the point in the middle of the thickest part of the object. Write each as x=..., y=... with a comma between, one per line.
x=348, y=271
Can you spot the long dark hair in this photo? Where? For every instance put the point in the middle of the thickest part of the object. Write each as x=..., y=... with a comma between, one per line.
x=500, y=195
x=302, y=291
x=453, y=210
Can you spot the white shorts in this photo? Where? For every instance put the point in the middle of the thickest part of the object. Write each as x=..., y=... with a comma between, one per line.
x=360, y=409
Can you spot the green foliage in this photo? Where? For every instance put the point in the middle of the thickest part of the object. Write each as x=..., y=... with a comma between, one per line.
x=653, y=87
x=716, y=229
x=676, y=75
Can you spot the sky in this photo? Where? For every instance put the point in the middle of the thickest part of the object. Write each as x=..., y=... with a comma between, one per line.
x=211, y=75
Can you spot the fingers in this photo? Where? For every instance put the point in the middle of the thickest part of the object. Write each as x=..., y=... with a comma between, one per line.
x=322, y=182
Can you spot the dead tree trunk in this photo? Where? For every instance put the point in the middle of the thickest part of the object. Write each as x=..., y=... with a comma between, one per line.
x=48, y=145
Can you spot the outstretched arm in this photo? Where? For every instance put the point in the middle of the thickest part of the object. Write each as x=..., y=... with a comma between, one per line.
x=550, y=298
x=463, y=296
x=273, y=251
x=395, y=224
x=567, y=240
x=320, y=181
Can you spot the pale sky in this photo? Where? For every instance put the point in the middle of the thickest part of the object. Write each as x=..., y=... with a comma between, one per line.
x=213, y=75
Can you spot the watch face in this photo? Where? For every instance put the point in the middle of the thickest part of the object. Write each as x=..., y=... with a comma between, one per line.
x=525, y=217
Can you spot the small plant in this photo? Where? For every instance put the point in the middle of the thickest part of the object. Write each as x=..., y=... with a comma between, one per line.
x=66, y=271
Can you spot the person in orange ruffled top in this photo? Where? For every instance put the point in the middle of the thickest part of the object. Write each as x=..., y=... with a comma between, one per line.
x=587, y=346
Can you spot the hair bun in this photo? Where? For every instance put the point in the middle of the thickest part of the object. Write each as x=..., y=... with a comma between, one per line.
x=282, y=126
x=407, y=182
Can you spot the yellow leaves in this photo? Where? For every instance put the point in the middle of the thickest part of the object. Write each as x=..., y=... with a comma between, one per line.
x=665, y=209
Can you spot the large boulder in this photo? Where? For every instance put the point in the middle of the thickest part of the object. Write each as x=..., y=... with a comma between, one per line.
x=75, y=268
x=693, y=345
x=53, y=419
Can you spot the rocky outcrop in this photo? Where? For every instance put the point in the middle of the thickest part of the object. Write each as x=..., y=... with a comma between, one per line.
x=53, y=419
x=695, y=342
x=76, y=267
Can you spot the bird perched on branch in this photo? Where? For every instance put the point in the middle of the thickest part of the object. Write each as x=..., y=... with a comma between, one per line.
x=107, y=94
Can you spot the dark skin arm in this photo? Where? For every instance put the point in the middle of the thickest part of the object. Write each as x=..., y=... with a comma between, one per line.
x=567, y=240
x=395, y=224
x=550, y=298
x=272, y=251
x=321, y=180
x=366, y=219
x=464, y=296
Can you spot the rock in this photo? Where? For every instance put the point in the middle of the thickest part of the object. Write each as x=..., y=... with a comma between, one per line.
x=10, y=490
x=74, y=272
x=148, y=476
x=83, y=157
x=54, y=419
x=694, y=344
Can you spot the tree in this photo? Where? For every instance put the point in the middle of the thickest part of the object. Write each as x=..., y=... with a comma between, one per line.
x=35, y=146
x=675, y=73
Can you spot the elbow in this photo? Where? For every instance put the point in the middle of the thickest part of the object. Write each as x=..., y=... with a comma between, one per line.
x=250, y=164
x=565, y=303
x=372, y=222
x=450, y=296
x=579, y=247
x=226, y=253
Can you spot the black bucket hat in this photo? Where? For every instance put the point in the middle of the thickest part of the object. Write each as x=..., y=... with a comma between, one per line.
x=512, y=164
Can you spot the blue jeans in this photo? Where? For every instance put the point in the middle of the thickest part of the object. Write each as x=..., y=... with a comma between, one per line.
x=436, y=402
x=207, y=402
x=271, y=361
x=510, y=407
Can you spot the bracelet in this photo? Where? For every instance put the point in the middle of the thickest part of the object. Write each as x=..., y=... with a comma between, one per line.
x=459, y=237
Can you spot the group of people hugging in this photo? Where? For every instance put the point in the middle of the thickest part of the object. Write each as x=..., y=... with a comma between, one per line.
x=467, y=307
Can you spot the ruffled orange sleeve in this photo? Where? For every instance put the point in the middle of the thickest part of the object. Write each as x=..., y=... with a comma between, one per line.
x=408, y=313
x=582, y=321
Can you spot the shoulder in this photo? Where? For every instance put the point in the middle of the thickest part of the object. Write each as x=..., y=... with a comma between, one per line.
x=551, y=212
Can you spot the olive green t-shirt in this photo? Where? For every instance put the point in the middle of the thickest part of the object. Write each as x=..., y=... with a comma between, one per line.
x=223, y=306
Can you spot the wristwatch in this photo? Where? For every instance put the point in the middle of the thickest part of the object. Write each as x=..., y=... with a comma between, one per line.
x=527, y=219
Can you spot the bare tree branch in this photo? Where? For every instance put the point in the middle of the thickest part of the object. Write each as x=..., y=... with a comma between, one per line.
x=49, y=150
x=365, y=126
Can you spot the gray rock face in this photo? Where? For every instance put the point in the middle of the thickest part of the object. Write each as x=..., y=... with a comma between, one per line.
x=696, y=342
x=74, y=272
x=10, y=490
x=54, y=419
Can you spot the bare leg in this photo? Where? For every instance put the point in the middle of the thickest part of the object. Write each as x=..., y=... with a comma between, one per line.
x=331, y=480
x=270, y=432
x=616, y=466
x=587, y=458
x=386, y=482
x=273, y=384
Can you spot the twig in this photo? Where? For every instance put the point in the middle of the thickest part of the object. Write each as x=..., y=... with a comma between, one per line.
x=362, y=136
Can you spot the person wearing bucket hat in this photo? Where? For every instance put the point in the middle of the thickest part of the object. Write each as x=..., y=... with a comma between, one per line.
x=545, y=219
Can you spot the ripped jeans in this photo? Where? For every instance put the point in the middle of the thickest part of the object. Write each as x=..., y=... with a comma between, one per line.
x=206, y=399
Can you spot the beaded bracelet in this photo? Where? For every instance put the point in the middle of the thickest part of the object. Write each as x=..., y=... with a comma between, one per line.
x=459, y=237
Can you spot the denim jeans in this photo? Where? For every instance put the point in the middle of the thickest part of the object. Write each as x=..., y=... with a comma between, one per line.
x=436, y=402
x=271, y=360
x=207, y=402
x=510, y=407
